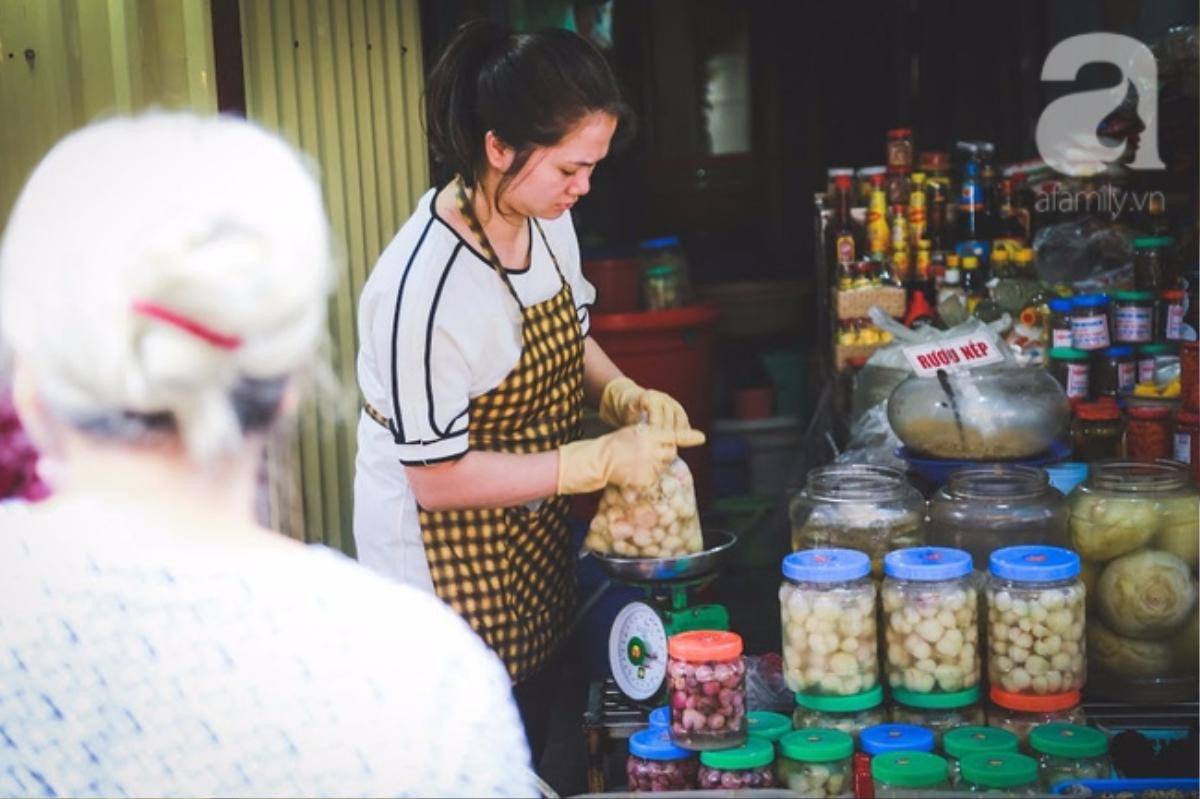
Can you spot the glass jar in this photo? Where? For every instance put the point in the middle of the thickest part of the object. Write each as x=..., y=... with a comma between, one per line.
x=708, y=689
x=1089, y=322
x=1172, y=314
x=1034, y=712
x=1072, y=370
x=827, y=609
x=661, y=288
x=1060, y=323
x=1150, y=262
x=1137, y=528
x=1035, y=602
x=975, y=740
x=908, y=773
x=1186, y=441
x=1070, y=752
x=747, y=766
x=1097, y=432
x=1000, y=773
x=1133, y=317
x=1147, y=361
x=895, y=738
x=941, y=713
x=898, y=186
x=869, y=508
x=656, y=764
x=850, y=714
x=983, y=508
x=1189, y=376
x=1114, y=371
x=900, y=149
x=930, y=622
x=1148, y=434
x=816, y=763
x=768, y=726
x=986, y=414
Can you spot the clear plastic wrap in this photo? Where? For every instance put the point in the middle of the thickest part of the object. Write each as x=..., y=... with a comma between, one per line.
x=659, y=522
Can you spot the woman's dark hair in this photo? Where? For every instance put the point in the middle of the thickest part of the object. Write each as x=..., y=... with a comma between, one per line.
x=529, y=89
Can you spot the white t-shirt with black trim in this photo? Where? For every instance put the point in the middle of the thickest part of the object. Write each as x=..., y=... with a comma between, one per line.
x=437, y=327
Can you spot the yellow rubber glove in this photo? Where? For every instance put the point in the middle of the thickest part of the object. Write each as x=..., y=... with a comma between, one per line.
x=624, y=402
x=632, y=456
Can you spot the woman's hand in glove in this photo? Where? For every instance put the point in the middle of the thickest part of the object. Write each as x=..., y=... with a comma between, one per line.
x=624, y=402
x=632, y=456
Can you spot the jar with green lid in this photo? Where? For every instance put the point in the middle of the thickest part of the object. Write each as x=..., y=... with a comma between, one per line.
x=940, y=713
x=999, y=773
x=908, y=773
x=1072, y=369
x=1070, y=752
x=1133, y=317
x=1148, y=360
x=747, y=766
x=850, y=714
x=816, y=763
x=768, y=726
x=662, y=287
x=974, y=740
x=1150, y=266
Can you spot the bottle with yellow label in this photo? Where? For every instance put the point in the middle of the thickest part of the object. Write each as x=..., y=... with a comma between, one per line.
x=877, y=226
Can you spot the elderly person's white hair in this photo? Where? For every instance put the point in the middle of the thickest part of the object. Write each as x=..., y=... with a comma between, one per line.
x=166, y=270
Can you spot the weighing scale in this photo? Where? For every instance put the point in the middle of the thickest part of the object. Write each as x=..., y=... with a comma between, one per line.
x=637, y=642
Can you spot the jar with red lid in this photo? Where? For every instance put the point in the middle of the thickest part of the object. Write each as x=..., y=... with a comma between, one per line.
x=1172, y=314
x=708, y=689
x=1097, y=431
x=1148, y=434
x=1189, y=381
x=1187, y=441
x=900, y=149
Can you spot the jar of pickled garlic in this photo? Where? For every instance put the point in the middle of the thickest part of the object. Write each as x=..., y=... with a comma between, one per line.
x=708, y=689
x=908, y=774
x=850, y=714
x=931, y=623
x=827, y=608
x=816, y=763
x=656, y=763
x=1070, y=752
x=974, y=740
x=748, y=766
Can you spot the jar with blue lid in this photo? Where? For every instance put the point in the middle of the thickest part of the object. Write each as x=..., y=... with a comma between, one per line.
x=827, y=609
x=1035, y=601
x=850, y=714
x=932, y=623
x=884, y=738
x=656, y=764
x=1089, y=322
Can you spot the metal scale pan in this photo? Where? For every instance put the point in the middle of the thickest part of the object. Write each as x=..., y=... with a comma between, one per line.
x=717, y=544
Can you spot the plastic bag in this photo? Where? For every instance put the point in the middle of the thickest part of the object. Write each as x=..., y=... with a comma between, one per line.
x=659, y=522
x=765, y=686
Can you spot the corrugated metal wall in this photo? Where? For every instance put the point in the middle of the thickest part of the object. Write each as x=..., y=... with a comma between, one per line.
x=65, y=62
x=342, y=80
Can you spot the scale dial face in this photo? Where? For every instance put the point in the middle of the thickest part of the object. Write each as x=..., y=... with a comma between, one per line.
x=637, y=651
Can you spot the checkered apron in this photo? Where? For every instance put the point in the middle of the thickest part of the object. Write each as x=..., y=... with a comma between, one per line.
x=509, y=571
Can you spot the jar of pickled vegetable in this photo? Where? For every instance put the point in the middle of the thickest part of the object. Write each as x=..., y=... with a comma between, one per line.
x=816, y=763
x=975, y=740
x=657, y=764
x=1072, y=370
x=746, y=766
x=1089, y=322
x=1137, y=528
x=1070, y=752
x=869, y=508
x=940, y=713
x=884, y=738
x=1133, y=317
x=708, y=689
x=827, y=608
x=1097, y=433
x=1000, y=774
x=932, y=627
x=908, y=774
x=850, y=714
x=1035, y=601
x=1033, y=711
x=1148, y=434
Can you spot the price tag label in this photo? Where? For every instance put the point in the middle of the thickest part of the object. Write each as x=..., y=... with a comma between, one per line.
x=961, y=352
